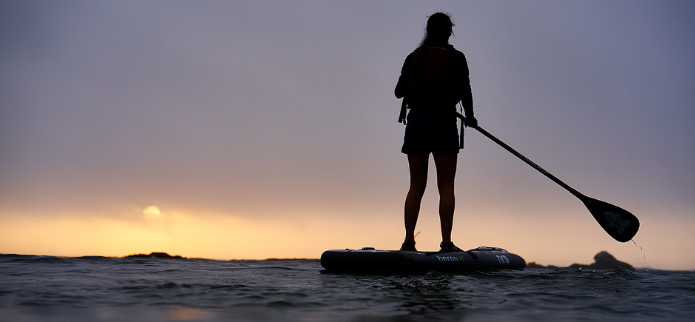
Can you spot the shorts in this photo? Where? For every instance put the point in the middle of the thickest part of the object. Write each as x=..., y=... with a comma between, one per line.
x=427, y=133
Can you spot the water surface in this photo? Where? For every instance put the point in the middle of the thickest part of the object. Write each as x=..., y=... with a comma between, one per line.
x=45, y=288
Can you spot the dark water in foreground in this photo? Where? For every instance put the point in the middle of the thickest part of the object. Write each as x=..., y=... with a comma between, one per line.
x=43, y=288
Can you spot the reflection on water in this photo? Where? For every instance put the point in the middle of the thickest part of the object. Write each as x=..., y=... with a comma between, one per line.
x=430, y=295
x=189, y=314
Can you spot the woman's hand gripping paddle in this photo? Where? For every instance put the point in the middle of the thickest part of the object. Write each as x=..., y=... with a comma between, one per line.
x=617, y=222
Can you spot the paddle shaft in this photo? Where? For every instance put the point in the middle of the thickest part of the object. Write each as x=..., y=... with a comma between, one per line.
x=529, y=162
x=617, y=222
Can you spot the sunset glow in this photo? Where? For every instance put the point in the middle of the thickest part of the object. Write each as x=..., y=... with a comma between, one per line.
x=151, y=212
x=268, y=129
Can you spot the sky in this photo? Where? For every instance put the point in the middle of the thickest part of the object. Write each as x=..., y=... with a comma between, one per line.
x=268, y=129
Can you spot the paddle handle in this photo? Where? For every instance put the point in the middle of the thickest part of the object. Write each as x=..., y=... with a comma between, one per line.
x=529, y=162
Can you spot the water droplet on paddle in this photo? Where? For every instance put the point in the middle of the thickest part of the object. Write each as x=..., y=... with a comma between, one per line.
x=633, y=241
x=644, y=256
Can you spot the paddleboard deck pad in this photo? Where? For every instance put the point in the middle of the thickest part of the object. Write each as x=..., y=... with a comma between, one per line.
x=370, y=260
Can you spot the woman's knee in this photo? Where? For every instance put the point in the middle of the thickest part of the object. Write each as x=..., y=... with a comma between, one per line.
x=417, y=189
x=446, y=192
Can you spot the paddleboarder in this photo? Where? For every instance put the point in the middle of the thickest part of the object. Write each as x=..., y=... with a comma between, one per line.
x=434, y=78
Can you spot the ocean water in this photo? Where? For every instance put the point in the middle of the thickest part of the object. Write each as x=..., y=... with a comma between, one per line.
x=45, y=288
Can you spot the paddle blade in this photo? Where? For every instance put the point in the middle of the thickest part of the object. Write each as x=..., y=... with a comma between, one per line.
x=616, y=221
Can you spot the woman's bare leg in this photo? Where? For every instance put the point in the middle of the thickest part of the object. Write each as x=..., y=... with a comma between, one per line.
x=418, y=183
x=446, y=172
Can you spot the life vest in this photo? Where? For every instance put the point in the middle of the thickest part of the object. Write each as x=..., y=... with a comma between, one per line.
x=429, y=83
x=430, y=79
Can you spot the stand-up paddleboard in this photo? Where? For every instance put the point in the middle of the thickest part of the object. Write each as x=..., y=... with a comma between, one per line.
x=370, y=260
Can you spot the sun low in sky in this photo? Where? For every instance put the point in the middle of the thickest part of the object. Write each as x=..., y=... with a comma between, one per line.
x=151, y=212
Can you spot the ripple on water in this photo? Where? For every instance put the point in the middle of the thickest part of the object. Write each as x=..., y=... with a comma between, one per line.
x=108, y=289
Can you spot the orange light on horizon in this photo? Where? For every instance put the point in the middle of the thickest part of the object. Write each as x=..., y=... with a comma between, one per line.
x=225, y=237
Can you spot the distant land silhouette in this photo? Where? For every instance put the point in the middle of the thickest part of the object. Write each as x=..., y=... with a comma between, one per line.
x=602, y=260
x=155, y=255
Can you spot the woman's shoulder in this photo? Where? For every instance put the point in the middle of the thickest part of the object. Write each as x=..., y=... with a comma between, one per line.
x=455, y=51
x=415, y=52
x=448, y=47
x=458, y=55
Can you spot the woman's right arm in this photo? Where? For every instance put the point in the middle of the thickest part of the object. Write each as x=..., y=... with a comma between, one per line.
x=466, y=93
x=401, y=86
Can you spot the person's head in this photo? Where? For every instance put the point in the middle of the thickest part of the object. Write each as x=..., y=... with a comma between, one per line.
x=439, y=29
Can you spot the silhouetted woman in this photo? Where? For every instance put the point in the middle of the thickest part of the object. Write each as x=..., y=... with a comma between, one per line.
x=434, y=78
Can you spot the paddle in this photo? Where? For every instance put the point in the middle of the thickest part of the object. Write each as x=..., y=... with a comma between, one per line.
x=617, y=222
